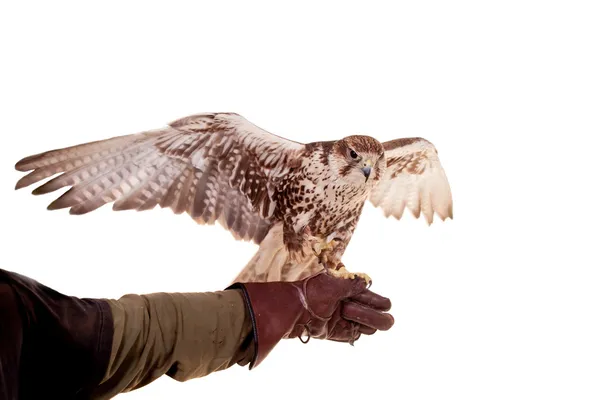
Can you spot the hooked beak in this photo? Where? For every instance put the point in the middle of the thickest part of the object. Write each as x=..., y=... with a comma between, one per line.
x=366, y=169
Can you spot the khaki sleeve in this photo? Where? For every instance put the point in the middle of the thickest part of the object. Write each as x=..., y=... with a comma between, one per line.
x=183, y=335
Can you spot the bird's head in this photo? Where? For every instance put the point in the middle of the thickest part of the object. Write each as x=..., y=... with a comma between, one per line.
x=359, y=160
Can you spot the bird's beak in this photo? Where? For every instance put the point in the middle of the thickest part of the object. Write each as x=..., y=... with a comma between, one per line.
x=366, y=169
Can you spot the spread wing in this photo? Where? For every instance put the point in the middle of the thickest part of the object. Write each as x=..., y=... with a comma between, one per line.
x=414, y=179
x=215, y=167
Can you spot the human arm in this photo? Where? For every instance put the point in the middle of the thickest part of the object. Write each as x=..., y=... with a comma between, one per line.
x=58, y=346
x=181, y=335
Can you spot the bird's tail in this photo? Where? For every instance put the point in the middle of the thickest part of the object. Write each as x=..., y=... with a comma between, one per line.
x=272, y=262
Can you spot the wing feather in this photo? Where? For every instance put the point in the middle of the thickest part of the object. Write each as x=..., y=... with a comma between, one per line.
x=413, y=179
x=214, y=167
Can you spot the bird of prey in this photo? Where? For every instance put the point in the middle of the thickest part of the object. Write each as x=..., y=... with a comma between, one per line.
x=299, y=202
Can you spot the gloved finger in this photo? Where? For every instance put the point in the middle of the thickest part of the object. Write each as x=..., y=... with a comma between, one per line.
x=347, y=331
x=367, y=316
x=373, y=300
x=366, y=330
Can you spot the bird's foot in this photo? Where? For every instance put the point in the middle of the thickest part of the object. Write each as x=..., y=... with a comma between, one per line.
x=320, y=246
x=317, y=245
x=343, y=273
x=323, y=247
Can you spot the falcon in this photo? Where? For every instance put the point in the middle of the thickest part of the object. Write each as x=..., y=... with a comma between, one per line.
x=299, y=202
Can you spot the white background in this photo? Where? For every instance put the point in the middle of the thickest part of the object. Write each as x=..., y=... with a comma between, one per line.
x=502, y=302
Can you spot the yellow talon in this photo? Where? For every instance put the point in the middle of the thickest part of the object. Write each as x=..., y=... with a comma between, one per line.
x=319, y=247
x=345, y=274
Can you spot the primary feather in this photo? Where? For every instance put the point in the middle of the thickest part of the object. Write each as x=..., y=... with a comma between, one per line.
x=414, y=179
x=211, y=166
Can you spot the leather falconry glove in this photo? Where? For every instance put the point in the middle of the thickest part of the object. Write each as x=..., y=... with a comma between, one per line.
x=320, y=306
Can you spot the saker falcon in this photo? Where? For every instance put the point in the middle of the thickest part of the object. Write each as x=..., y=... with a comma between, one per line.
x=299, y=202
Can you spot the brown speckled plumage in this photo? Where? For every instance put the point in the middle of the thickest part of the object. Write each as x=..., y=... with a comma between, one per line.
x=281, y=194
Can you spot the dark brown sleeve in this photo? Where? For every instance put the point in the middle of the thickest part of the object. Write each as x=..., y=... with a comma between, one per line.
x=183, y=335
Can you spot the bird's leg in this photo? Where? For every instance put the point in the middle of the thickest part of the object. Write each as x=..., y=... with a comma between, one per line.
x=317, y=244
x=329, y=254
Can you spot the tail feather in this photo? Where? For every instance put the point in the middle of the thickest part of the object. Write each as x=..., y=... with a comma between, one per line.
x=272, y=262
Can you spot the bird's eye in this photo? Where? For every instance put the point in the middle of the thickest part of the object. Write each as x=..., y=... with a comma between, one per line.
x=353, y=154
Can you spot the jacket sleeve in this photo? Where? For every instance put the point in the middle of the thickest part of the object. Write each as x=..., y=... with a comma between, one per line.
x=182, y=335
